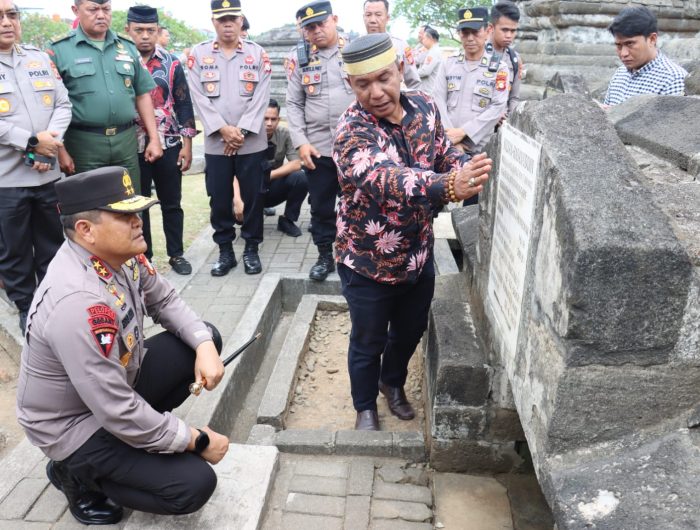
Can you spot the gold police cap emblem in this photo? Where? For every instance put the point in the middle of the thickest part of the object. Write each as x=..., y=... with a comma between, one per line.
x=467, y=15
x=128, y=185
x=225, y=3
x=309, y=11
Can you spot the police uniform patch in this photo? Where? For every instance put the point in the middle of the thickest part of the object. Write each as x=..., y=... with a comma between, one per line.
x=484, y=61
x=290, y=65
x=208, y=60
x=130, y=341
x=305, y=80
x=209, y=75
x=128, y=318
x=34, y=64
x=121, y=298
x=100, y=268
x=408, y=55
x=103, y=327
x=267, y=65
x=190, y=61
x=249, y=87
x=483, y=102
x=47, y=100
x=42, y=84
x=143, y=260
x=451, y=86
x=127, y=82
x=56, y=74
x=124, y=359
x=484, y=91
x=311, y=89
x=317, y=77
x=341, y=44
x=488, y=74
x=249, y=76
x=502, y=81
x=127, y=67
x=249, y=60
x=211, y=87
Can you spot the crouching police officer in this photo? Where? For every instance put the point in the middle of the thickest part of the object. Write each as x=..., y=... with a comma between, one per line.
x=95, y=396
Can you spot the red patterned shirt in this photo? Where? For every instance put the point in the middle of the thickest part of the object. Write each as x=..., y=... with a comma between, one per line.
x=392, y=180
x=171, y=101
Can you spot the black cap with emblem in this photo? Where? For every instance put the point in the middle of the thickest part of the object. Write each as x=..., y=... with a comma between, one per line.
x=142, y=15
x=107, y=188
x=314, y=12
x=225, y=8
x=473, y=18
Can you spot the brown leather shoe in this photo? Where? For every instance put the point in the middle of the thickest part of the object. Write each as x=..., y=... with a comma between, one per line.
x=367, y=420
x=398, y=403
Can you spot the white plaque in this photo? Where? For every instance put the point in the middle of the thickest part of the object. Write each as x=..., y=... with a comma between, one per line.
x=517, y=183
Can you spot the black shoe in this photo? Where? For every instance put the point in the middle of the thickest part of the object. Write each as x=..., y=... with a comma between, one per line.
x=251, y=260
x=23, y=321
x=269, y=212
x=367, y=420
x=88, y=507
x=288, y=227
x=227, y=261
x=180, y=265
x=325, y=264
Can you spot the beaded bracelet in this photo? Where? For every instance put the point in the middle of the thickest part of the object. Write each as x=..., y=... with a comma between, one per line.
x=451, y=187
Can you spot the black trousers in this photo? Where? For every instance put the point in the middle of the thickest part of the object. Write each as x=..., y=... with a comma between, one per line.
x=388, y=321
x=167, y=177
x=30, y=235
x=293, y=189
x=250, y=170
x=166, y=484
x=323, y=190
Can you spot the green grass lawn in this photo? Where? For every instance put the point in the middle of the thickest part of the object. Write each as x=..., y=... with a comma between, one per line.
x=195, y=203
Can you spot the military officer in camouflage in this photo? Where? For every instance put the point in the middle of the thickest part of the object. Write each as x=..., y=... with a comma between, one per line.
x=107, y=85
x=318, y=92
x=376, y=18
x=471, y=89
x=34, y=114
x=229, y=80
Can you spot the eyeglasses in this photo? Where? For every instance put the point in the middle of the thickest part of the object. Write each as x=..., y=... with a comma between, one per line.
x=11, y=15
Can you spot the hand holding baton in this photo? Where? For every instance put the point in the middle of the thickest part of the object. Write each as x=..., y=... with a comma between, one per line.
x=197, y=386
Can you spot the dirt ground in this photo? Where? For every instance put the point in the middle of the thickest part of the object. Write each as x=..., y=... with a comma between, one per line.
x=10, y=431
x=321, y=398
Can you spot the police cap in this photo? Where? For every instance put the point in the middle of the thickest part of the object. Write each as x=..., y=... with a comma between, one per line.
x=314, y=12
x=225, y=8
x=473, y=18
x=142, y=15
x=107, y=188
x=368, y=53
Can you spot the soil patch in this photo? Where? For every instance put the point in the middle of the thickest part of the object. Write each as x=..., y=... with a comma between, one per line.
x=321, y=398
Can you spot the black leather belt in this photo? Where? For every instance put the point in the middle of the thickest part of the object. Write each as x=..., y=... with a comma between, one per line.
x=106, y=131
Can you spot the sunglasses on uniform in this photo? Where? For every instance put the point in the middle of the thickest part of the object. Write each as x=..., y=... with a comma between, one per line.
x=12, y=14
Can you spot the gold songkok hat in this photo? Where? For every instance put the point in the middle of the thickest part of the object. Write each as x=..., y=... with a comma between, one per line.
x=368, y=54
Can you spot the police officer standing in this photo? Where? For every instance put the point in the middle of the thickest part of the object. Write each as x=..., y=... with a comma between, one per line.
x=430, y=65
x=106, y=82
x=376, y=18
x=317, y=94
x=34, y=114
x=95, y=396
x=505, y=18
x=229, y=80
x=472, y=89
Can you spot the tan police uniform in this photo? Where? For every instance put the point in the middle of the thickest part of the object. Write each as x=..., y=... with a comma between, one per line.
x=405, y=53
x=84, y=349
x=429, y=68
x=234, y=91
x=472, y=98
x=515, y=67
x=32, y=99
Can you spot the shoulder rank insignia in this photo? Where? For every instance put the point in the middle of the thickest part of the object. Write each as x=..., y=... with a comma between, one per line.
x=100, y=268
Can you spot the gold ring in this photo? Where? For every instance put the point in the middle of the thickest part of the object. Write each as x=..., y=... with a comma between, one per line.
x=472, y=182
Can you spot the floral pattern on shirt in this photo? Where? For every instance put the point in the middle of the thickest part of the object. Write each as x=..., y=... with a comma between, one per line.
x=392, y=181
x=171, y=101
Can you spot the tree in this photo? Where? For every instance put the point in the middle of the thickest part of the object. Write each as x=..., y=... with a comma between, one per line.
x=40, y=30
x=181, y=35
x=440, y=14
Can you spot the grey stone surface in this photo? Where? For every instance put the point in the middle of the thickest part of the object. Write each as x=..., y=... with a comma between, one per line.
x=357, y=509
x=444, y=260
x=665, y=127
x=49, y=507
x=692, y=83
x=403, y=492
x=408, y=511
x=262, y=435
x=314, y=485
x=20, y=463
x=466, y=224
x=297, y=285
x=245, y=477
x=364, y=443
x=528, y=506
x=563, y=83
x=323, y=468
x=409, y=445
x=361, y=477
x=20, y=500
x=305, y=442
x=294, y=521
x=465, y=456
x=391, y=473
x=315, y=504
x=391, y=524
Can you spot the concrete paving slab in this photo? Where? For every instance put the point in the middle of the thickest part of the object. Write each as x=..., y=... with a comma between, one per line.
x=467, y=502
x=245, y=477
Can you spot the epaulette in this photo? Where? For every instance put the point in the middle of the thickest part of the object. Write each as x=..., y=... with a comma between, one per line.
x=122, y=36
x=64, y=37
x=202, y=43
x=29, y=47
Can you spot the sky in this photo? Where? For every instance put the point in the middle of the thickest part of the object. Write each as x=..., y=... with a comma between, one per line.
x=262, y=14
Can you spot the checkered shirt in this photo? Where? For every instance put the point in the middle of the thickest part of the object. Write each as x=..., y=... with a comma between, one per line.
x=660, y=76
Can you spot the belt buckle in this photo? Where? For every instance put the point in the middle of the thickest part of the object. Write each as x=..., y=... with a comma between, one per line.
x=111, y=131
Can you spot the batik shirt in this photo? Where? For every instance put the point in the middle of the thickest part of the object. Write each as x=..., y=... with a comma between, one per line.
x=392, y=181
x=660, y=76
x=171, y=101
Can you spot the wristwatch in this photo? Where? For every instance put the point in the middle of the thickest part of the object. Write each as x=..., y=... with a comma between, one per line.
x=201, y=442
x=245, y=132
x=32, y=143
